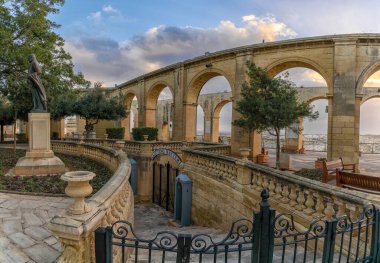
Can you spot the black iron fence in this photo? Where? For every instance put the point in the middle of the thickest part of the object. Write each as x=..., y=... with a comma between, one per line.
x=268, y=238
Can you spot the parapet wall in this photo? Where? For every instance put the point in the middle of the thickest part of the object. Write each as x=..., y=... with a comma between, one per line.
x=113, y=202
x=226, y=189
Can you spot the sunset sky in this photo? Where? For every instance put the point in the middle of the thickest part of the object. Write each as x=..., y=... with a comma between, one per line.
x=114, y=41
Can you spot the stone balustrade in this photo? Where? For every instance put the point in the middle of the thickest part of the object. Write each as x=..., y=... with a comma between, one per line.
x=114, y=201
x=241, y=182
x=219, y=149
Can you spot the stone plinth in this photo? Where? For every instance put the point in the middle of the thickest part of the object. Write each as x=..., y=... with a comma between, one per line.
x=39, y=159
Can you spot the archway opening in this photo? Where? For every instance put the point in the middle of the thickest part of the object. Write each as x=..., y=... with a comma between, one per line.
x=212, y=98
x=315, y=131
x=222, y=122
x=311, y=86
x=132, y=120
x=369, y=128
x=165, y=114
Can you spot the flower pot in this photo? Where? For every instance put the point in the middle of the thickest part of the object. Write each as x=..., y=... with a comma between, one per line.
x=262, y=158
x=145, y=136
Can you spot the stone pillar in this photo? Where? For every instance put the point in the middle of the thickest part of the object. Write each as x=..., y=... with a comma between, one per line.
x=240, y=138
x=126, y=122
x=344, y=131
x=207, y=127
x=215, y=129
x=190, y=124
x=145, y=173
x=150, y=118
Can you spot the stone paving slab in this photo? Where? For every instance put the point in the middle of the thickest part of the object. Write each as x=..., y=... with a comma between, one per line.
x=24, y=236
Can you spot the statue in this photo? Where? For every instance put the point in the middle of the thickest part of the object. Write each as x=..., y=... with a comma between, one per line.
x=38, y=90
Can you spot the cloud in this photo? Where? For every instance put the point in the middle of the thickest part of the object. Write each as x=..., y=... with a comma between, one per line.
x=104, y=59
x=109, y=9
x=95, y=17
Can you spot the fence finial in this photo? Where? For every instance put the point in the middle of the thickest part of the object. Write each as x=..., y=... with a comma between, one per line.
x=264, y=198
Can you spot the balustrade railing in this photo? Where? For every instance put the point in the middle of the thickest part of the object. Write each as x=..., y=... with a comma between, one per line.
x=113, y=202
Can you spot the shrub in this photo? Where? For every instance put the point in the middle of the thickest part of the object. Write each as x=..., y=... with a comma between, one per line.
x=115, y=133
x=21, y=137
x=137, y=133
x=54, y=136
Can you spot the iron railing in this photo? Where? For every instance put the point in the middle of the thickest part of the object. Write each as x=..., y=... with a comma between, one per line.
x=268, y=238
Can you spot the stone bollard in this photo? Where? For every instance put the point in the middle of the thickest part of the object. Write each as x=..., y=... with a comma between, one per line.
x=78, y=187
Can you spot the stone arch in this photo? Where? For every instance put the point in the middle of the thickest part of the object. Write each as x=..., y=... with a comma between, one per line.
x=154, y=92
x=151, y=109
x=366, y=98
x=311, y=100
x=293, y=62
x=198, y=81
x=215, y=120
x=191, y=95
x=365, y=75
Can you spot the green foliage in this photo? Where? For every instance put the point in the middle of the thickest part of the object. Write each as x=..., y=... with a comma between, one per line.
x=115, y=133
x=25, y=28
x=48, y=184
x=94, y=105
x=54, y=136
x=137, y=133
x=314, y=174
x=21, y=137
x=270, y=104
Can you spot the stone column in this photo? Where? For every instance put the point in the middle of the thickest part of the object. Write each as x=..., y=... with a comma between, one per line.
x=215, y=129
x=126, y=122
x=207, y=127
x=190, y=111
x=239, y=137
x=344, y=131
x=178, y=129
x=145, y=173
x=150, y=117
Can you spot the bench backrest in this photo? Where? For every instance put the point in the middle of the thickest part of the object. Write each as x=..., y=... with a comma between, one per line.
x=365, y=182
x=329, y=168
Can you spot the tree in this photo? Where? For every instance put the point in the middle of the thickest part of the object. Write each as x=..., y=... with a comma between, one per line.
x=6, y=117
x=25, y=29
x=94, y=105
x=270, y=104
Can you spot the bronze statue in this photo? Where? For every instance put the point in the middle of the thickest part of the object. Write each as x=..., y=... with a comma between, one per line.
x=38, y=90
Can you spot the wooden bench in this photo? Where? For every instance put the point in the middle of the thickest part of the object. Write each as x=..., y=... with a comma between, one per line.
x=330, y=167
x=359, y=182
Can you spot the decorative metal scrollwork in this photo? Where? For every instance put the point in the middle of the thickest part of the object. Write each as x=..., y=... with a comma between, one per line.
x=163, y=240
x=241, y=232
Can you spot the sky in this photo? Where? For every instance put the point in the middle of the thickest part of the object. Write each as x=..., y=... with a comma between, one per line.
x=114, y=41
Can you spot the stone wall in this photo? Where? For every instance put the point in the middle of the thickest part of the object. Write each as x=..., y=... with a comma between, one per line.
x=114, y=201
x=226, y=188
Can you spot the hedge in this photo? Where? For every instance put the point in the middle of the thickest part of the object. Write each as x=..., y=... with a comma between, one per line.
x=115, y=133
x=137, y=133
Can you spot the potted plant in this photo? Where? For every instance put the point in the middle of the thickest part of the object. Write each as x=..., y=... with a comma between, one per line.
x=263, y=157
x=319, y=163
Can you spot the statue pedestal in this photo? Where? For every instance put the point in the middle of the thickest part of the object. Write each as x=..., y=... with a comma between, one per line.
x=39, y=159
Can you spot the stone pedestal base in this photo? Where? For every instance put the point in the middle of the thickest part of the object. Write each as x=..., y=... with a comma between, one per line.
x=40, y=159
x=39, y=166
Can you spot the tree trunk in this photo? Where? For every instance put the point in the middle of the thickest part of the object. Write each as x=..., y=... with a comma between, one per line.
x=277, y=149
x=14, y=131
x=2, y=133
